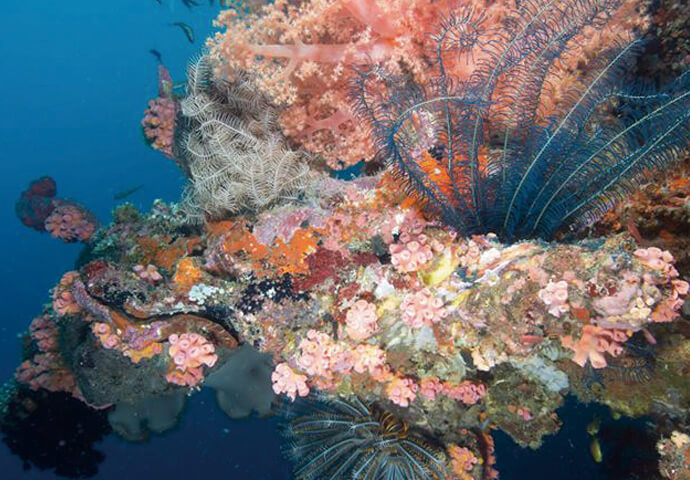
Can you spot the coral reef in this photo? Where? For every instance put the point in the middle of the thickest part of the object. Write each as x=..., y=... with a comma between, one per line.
x=480, y=334
x=396, y=327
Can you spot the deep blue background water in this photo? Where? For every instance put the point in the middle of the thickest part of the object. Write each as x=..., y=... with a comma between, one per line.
x=75, y=77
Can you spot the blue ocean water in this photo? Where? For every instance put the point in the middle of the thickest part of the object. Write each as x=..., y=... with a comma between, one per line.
x=76, y=77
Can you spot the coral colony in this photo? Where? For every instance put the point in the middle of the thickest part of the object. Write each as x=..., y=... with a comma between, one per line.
x=404, y=314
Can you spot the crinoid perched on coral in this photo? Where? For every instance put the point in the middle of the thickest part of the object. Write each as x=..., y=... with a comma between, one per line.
x=349, y=439
x=476, y=151
x=227, y=142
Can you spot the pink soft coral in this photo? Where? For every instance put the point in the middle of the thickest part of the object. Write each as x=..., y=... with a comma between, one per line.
x=286, y=380
x=306, y=54
x=159, y=125
x=189, y=353
x=302, y=55
x=47, y=370
x=44, y=331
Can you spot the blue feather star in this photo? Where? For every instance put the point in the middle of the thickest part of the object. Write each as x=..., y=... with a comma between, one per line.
x=477, y=151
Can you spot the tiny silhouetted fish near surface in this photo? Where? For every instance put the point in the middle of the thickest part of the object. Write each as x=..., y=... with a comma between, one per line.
x=189, y=33
x=190, y=4
x=156, y=54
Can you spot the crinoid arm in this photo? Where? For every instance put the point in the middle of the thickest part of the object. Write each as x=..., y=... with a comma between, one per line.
x=337, y=439
x=479, y=153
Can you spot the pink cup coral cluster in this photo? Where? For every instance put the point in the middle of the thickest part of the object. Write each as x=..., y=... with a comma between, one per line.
x=466, y=392
x=669, y=308
x=105, y=335
x=411, y=253
x=462, y=460
x=430, y=388
x=321, y=356
x=148, y=273
x=47, y=370
x=402, y=391
x=662, y=262
x=189, y=353
x=657, y=259
x=555, y=296
x=594, y=343
x=324, y=360
x=70, y=223
x=360, y=321
x=370, y=359
x=422, y=308
x=159, y=124
x=63, y=300
x=286, y=380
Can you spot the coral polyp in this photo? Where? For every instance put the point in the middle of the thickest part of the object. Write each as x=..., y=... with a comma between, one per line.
x=337, y=439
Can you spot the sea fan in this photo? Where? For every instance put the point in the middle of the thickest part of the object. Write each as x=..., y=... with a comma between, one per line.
x=231, y=149
x=478, y=152
x=336, y=439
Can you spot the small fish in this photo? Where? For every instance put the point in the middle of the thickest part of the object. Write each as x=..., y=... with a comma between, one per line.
x=156, y=54
x=616, y=415
x=189, y=33
x=126, y=193
x=190, y=4
x=160, y=2
x=595, y=450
